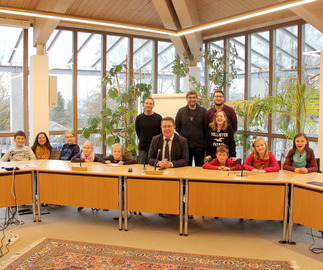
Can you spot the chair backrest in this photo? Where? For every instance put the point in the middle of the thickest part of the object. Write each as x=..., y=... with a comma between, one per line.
x=55, y=154
x=318, y=164
x=281, y=165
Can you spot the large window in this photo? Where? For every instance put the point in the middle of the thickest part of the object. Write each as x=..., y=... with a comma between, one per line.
x=272, y=57
x=60, y=51
x=11, y=83
x=166, y=79
x=143, y=60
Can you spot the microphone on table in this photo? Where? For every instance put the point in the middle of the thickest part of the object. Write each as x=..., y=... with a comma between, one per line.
x=144, y=169
x=158, y=152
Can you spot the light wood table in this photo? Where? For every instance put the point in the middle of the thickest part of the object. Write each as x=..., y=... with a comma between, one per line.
x=98, y=187
x=306, y=202
x=227, y=194
x=17, y=187
x=154, y=193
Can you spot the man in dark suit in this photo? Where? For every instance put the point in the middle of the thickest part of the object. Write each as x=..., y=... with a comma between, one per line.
x=173, y=148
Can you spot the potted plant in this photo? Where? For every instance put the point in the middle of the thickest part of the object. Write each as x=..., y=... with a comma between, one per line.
x=116, y=122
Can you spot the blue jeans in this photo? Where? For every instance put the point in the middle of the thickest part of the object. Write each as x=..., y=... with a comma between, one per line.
x=143, y=157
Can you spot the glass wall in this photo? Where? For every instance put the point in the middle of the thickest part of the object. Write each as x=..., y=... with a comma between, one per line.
x=284, y=43
x=166, y=79
x=60, y=65
x=143, y=60
x=89, y=97
x=11, y=83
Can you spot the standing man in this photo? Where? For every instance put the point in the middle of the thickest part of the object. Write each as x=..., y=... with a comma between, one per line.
x=218, y=97
x=168, y=150
x=189, y=123
x=147, y=126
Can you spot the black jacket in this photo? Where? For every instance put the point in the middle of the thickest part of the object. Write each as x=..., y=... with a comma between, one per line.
x=179, y=150
x=192, y=130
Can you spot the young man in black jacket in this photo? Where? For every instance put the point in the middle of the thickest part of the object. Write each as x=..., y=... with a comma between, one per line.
x=189, y=123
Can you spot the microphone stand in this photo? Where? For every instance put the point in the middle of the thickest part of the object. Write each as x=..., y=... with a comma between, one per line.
x=154, y=172
x=156, y=159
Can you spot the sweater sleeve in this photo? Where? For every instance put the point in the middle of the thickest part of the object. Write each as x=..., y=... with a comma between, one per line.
x=6, y=156
x=213, y=165
x=99, y=159
x=248, y=161
x=77, y=158
x=273, y=161
x=127, y=161
x=313, y=164
x=288, y=164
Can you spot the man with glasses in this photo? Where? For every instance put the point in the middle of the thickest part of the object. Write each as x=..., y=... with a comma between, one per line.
x=218, y=97
x=189, y=123
x=168, y=150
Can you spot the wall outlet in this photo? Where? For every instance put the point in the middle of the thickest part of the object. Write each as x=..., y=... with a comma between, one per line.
x=13, y=240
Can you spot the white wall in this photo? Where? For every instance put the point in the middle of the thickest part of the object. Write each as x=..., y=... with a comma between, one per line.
x=168, y=104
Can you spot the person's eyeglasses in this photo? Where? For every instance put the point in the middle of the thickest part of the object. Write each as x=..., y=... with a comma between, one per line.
x=192, y=98
x=218, y=96
x=69, y=137
x=167, y=126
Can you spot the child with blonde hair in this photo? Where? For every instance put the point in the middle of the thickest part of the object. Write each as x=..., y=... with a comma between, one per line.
x=87, y=155
x=118, y=157
x=261, y=160
x=70, y=148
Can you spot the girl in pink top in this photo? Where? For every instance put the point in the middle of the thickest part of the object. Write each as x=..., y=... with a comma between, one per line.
x=261, y=160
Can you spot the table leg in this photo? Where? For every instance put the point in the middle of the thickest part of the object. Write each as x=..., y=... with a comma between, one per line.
x=38, y=199
x=181, y=207
x=120, y=202
x=125, y=205
x=290, y=228
x=33, y=179
x=186, y=208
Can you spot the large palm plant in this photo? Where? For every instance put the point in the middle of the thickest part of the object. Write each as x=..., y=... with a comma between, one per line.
x=290, y=111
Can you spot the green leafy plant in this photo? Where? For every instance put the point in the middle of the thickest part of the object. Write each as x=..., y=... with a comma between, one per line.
x=116, y=123
x=290, y=111
x=221, y=70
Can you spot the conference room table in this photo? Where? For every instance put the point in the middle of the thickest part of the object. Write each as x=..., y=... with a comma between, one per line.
x=98, y=187
x=17, y=186
x=162, y=193
x=207, y=192
x=232, y=195
x=306, y=201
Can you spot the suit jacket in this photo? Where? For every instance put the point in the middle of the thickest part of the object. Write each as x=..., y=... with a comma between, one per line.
x=179, y=150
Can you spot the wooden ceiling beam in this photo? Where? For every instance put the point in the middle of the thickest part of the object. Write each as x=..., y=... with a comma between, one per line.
x=43, y=28
x=311, y=13
x=187, y=14
x=169, y=18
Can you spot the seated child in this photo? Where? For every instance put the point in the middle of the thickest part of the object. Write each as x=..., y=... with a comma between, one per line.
x=87, y=155
x=20, y=152
x=301, y=158
x=70, y=149
x=261, y=159
x=118, y=157
x=222, y=161
x=41, y=146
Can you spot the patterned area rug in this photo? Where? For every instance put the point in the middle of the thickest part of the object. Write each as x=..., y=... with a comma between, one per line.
x=62, y=254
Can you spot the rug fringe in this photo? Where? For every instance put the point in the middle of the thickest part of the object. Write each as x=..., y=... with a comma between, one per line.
x=295, y=266
x=20, y=253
